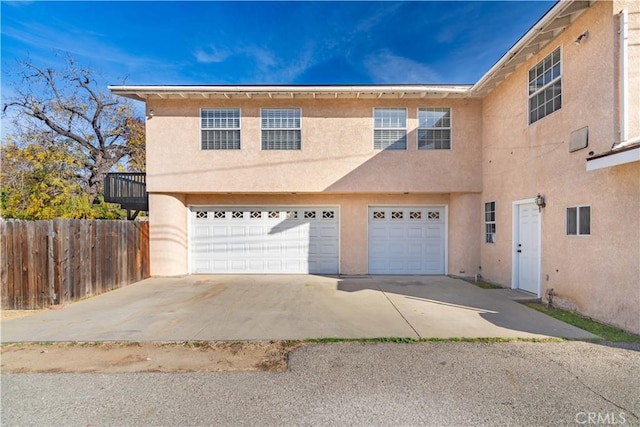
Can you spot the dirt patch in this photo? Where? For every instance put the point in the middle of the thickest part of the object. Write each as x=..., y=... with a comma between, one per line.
x=145, y=357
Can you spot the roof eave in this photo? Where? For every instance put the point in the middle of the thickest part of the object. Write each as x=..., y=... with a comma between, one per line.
x=143, y=93
x=554, y=22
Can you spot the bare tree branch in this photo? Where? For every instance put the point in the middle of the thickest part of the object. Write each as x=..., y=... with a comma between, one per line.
x=70, y=104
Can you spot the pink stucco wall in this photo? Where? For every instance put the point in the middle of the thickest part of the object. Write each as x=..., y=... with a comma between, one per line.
x=598, y=275
x=337, y=154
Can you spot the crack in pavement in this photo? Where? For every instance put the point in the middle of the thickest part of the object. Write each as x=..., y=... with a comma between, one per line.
x=399, y=312
x=565, y=368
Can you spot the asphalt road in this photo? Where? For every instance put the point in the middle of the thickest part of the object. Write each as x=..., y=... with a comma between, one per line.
x=431, y=384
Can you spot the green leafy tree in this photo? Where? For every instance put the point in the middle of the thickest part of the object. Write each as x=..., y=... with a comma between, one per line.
x=68, y=135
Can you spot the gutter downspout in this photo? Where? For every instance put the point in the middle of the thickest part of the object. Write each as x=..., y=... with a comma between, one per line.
x=624, y=77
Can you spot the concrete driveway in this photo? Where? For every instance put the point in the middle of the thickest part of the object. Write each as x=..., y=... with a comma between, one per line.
x=234, y=307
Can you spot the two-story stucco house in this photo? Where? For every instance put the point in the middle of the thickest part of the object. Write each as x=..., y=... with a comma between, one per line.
x=530, y=177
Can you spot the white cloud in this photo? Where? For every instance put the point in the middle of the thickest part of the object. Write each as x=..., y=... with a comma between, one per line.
x=261, y=65
x=211, y=54
x=385, y=68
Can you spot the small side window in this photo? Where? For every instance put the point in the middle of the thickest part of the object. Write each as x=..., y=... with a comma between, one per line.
x=490, y=222
x=579, y=221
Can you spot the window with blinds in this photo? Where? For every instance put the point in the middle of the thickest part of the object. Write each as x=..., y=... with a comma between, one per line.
x=390, y=129
x=434, y=128
x=220, y=128
x=281, y=128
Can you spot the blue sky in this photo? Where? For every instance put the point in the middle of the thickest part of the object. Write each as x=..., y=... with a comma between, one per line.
x=205, y=42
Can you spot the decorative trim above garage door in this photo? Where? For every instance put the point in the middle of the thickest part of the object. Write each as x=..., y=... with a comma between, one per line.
x=264, y=239
x=407, y=239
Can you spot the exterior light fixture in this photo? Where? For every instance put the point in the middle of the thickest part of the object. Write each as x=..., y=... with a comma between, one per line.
x=582, y=36
x=150, y=114
x=540, y=202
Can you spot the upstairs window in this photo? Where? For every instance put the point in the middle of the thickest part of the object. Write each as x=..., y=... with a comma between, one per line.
x=281, y=129
x=390, y=129
x=434, y=129
x=545, y=87
x=220, y=128
x=579, y=221
x=490, y=222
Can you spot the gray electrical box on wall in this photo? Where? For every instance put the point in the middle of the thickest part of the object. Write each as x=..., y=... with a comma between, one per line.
x=579, y=139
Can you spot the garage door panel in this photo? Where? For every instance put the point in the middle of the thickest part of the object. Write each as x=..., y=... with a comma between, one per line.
x=377, y=249
x=396, y=267
x=325, y=249
x=255, y=249
x=237, y=231
x=377, y=232
x=219, y=231
x=433, y=249
x=272, y=249
x=256, y=231
x=433, y=231
x=406, y=240
x=264, y=240
x=395, y=248
x=415, y=267
x=415, y=232
x=396, y=232
x=414, y=249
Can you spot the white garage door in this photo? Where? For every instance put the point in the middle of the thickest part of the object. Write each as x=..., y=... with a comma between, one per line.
x=267, y=239
x=406, y=240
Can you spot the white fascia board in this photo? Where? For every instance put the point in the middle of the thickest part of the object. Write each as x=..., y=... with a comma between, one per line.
x=141, y=92
x=616, y=159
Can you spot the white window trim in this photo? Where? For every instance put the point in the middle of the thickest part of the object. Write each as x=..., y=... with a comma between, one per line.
x=298, y=128
x=495, y=233
x=450, y=129
x=578, y=234
x=373, y=131
x=238, y=129
x=529, y=96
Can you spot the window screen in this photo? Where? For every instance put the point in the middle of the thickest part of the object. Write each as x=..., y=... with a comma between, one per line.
x=390, y=129
x=579, y=221
x=220, y=128
x=281, y=129
x=434, y=129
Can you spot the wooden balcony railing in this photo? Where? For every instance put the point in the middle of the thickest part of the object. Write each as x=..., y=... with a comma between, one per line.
x=129, y=190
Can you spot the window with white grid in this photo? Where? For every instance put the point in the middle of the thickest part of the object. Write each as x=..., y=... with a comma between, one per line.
x=434, y=129
x=281, y=129
x=220, y=128
x=490, y=222
x=390, y=129
x=545, y=87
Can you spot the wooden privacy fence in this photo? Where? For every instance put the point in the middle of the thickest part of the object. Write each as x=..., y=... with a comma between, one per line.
x=54, y=262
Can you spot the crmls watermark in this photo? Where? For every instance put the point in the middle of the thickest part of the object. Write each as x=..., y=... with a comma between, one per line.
x=601, y=418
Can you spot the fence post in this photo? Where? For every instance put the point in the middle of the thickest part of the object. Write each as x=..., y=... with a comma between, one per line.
x=50, y=263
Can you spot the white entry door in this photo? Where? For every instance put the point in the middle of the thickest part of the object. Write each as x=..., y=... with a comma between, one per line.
x=527, y=247
x=268, y=239
x=407, y=240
